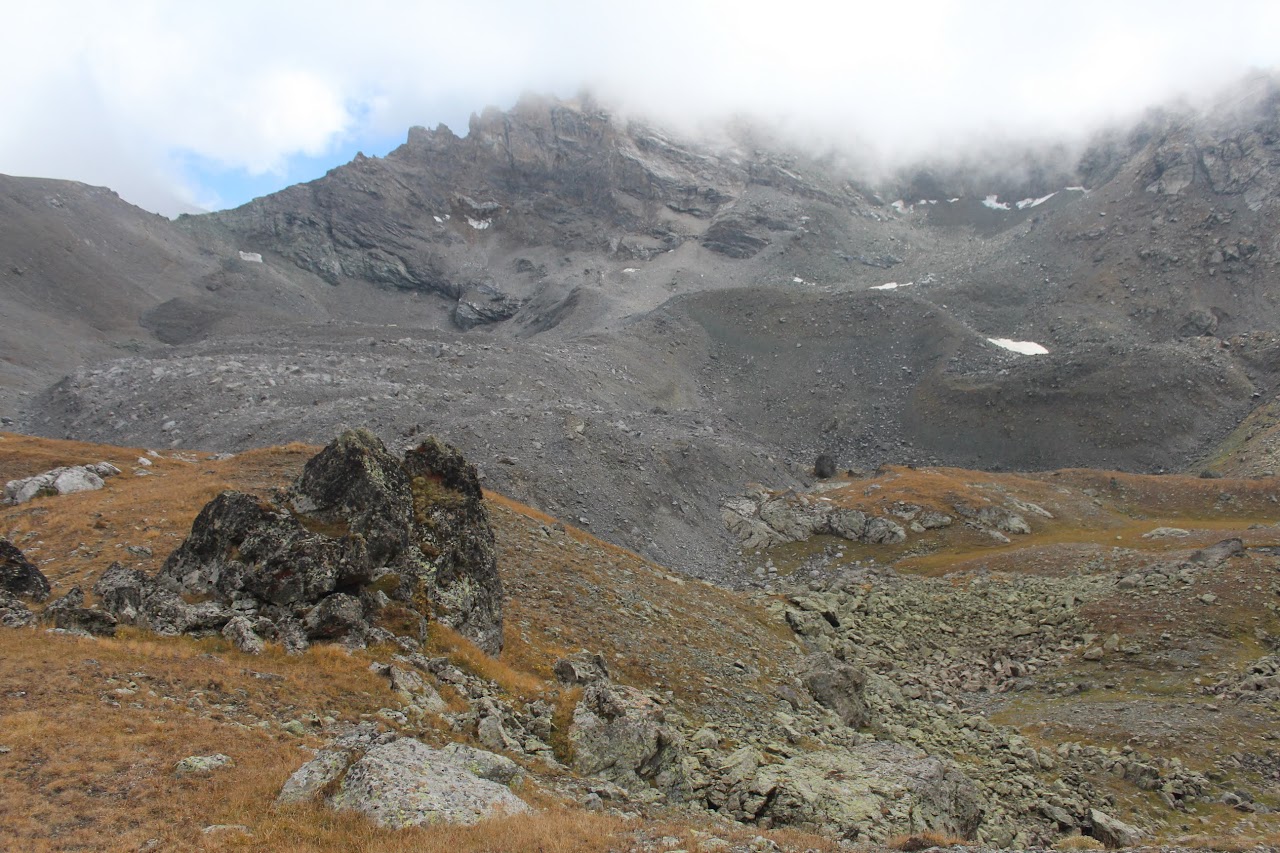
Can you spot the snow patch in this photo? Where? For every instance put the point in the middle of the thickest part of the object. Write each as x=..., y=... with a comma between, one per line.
x=900, y=206
x=479, y=224
x=630, y=269
x=1034, y=202
x=1076, y=190
x=1020, y=347
x=994, y=203
x=952, y=200
x=892, y=285
x=251, y=257
x=438, y=219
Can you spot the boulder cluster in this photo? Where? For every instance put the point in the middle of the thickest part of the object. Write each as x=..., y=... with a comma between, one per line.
x=362, y=548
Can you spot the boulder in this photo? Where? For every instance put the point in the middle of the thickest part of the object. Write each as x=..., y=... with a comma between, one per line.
x=240, y=632
x=620, y=735
x=310, y=780
x=406, y=783
x=305, y=569
x=1218, y=552
x=824, y=467
x=59, y=481
x=864, y=793
x=19, y=577
x=452, y=531
x=839, y=688
x=354, y=486
x=1112, y=831
x=581, y=667
x=239, y=542
x=13, y=613
x=202, y=765
x=68, y=613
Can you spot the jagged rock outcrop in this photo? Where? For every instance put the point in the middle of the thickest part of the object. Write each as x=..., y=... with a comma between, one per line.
x=68, y=613
x=358, y=533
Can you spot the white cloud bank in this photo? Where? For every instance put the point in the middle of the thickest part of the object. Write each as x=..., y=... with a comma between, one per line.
x=128, y=93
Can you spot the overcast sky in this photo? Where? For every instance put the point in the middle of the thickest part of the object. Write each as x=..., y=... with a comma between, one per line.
x=193, y=105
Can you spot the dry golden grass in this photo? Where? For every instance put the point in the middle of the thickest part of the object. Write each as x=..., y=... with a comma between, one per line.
x=922, y=841
x=462, y=652
x=1078, y=842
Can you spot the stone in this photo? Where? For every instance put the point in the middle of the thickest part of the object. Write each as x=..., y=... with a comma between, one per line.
x=13, y=613
x=1218, y=552
x=337, y=615
x=1112, y=831
x=239, y=631
x=310, y=780
x=620, y=735
x=582, y=667
x=839, y=688
x=59, y=481
x=19, y=577
x=68, y=614
x=486, y=765
x=824, y=467
x=406, y=783
x=454, y=534
x=121, y=591
x=202, y=765
x=354, y=486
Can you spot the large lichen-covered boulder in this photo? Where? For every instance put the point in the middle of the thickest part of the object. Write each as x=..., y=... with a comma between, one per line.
x=838, y=687
x=406, y=783
x=451, y=530
x=354, y=486
x=620, y=734
x=19, y=576
x=356, y=526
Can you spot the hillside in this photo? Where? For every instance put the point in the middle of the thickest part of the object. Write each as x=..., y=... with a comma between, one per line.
x=1033, y=662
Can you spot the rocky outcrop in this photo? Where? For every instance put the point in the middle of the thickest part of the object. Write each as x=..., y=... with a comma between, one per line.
x=838, y=687
x=59, y=481
x=621, y=735
x=763, y=520
x=358, y=533
x=19, y=577
x=866, y=793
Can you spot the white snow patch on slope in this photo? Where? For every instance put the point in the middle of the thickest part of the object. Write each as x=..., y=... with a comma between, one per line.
x=479, y=224
x=251, y=257
x=994, y=203
x=1034, y=202
x=438, y=219
x=1020, y=347
x=892, y=285
x=1076, y=190
x=900, y=206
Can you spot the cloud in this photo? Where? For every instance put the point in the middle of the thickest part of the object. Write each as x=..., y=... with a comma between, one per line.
x=130, y=94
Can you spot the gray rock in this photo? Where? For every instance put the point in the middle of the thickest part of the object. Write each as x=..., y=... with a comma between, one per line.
x=486, y=765
x=1112, y=831
x=405, y=783
x=19, y=577
x=202, y=765
x=68, y=614
x=620, y=735
x=13, y=613
x=240, y=633
x=337, y=615
x=310, y=780
x=838, y=687
x=582, y=667
x=1218, y=552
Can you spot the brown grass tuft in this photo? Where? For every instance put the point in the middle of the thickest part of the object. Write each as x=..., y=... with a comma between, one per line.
x=1079, y=842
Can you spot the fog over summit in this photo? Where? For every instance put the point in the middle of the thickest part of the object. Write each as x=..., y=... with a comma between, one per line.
x=183, y=108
